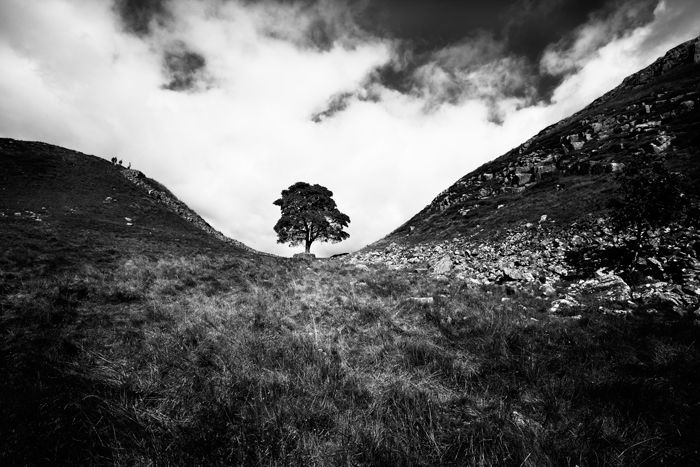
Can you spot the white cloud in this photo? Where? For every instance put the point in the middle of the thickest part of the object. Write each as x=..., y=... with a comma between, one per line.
x=228, y=151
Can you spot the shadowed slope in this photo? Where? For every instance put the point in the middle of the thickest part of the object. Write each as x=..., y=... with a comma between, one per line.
x=75, y=202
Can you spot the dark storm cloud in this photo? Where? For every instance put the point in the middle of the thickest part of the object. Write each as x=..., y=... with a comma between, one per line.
x=529, y=26
x=184, y=68
x=138, y=16
x=445, y=50
x=518, y=31
x=448, y=50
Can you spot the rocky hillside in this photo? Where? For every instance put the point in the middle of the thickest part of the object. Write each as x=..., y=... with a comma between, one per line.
x=82, y=201
x=521, y=217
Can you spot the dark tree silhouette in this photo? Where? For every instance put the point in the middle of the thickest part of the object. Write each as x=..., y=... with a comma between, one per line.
x=309, y=214
x=650, y=198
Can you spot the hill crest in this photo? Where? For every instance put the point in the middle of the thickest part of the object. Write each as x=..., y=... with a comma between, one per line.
x=78, y=197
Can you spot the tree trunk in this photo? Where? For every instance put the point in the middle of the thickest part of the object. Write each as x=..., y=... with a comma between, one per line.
x=308, y=246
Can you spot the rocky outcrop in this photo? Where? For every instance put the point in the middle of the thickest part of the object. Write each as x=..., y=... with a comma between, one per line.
x=562, y=263
x=483, y=228
x=518, y=257
x=167, y=199
x=643, y=114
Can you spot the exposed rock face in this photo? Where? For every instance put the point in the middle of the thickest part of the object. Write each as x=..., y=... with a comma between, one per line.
x=166, y=198
x=518, y=257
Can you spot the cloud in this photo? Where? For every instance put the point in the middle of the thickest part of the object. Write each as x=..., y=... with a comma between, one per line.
x=243, y=130
x=140, y=16
x=569, y=53
x=184, y=68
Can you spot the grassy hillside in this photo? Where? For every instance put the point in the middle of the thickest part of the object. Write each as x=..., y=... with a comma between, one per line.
x=200, y=359
x=157, y=343
x=131, y=333
x=72, y=202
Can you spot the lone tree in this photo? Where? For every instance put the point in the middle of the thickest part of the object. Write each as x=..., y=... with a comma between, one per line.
x=309, y=214
x=650, y=198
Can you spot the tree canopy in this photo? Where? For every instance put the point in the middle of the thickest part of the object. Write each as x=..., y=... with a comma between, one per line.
x=650, y=197
x=309, y=214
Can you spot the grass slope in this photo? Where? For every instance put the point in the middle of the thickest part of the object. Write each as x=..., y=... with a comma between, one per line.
x=78, y=202
x=159, y=344
x=222, y=359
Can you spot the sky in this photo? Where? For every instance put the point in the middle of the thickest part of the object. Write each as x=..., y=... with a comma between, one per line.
x=384, y=102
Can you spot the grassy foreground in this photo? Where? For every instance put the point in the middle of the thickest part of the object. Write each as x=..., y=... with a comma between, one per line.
x=240, y=360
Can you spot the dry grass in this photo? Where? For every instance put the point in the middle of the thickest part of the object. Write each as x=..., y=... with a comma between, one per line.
x=229, y=360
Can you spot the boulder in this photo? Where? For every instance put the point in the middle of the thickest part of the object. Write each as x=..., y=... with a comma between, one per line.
x=443, y=266
x=523, y=178
x=512, y=274
x=548, y=291
x=608, y=285
x=665, y=298
x=563, y=305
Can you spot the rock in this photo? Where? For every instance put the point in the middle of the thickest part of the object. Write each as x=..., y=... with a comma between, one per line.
x=512, y=274
x=559, y=270
x=548, y=291
x=616, y=167
x=543, y=218
x=577, y=241
x=661, y=144
x=610, y=286
x=657, y=265
x=566, y=303
x=523, y=178
x=664, y=297
x=443, y=266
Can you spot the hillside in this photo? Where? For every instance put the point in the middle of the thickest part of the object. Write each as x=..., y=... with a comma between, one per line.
x=132, y=333
x=567, y=170
x=525, y=214
x=81, y=203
